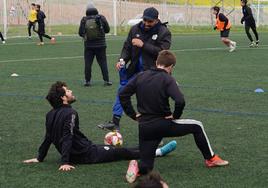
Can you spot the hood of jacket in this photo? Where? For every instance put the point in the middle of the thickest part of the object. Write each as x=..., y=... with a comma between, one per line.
x=92, y=11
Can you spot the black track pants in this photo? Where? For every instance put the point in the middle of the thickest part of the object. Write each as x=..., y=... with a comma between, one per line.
x=150, y=135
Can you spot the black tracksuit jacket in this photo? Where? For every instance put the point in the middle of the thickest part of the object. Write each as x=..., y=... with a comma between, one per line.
x=62, y=129
x=41, y=17
x=153, y=89
x=155, y=40
x=247, y=16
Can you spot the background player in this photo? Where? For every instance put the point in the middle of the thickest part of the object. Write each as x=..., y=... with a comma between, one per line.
x=32, y=17
x=249, y=23
x=223, y=24
x=2, y=38
x=41, y=26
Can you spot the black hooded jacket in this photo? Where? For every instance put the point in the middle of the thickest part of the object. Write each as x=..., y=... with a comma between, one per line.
x=247, y=16
x=96, y=43
x=155, y=40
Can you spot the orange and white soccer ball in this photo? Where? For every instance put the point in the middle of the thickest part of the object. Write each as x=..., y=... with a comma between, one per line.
x=113, y=138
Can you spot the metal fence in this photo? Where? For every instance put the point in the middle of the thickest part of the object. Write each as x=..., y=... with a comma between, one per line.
x=118, y=13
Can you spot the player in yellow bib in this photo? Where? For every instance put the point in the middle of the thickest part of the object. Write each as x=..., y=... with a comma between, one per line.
x=32, y=17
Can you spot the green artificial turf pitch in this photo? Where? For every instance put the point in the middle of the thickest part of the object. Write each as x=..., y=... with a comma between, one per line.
x=219, y=91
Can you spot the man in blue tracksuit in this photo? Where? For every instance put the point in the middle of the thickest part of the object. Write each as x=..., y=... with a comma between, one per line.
x=145, y=40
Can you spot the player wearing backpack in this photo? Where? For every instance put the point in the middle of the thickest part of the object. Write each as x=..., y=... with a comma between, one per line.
x=92, y=29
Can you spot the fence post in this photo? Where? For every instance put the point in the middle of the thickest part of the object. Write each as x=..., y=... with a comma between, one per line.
x=5, y=18
x=114, y=15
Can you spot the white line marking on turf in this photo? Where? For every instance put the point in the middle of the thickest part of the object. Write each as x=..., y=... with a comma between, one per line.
x=262, y=47
x=49, y=58
x=57, y=42
x=178, y=50
x=34, y=43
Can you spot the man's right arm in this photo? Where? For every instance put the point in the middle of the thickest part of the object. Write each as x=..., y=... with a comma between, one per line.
x=43, y=149
x=125, y=98
x=81, y=31
x=126, y=50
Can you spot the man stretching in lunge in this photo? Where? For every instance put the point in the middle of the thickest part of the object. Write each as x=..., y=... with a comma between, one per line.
x=153, y=88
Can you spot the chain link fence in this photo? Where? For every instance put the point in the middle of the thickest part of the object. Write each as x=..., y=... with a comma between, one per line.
x=118, y=13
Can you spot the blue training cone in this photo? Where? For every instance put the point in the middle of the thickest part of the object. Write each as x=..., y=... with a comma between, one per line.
x=259, y=90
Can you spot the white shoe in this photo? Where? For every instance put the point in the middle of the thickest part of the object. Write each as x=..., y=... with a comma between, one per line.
x=40, y=43
x=252, y=44
x=232, y=46
x=257, y=43
x=3, y=42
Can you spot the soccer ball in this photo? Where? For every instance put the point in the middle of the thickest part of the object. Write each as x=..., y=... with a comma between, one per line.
x=113, y=138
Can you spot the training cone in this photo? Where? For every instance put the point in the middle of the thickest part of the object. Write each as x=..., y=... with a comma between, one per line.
x=14, y=75
x=259, y=90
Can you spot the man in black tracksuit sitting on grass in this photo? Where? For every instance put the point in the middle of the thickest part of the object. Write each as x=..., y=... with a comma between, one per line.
x=62, y=130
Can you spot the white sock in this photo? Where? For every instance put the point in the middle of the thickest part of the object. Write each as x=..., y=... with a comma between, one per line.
x=158, y=152
x=231, y=44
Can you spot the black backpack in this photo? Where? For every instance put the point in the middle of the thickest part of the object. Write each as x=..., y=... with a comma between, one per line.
x=93, y=28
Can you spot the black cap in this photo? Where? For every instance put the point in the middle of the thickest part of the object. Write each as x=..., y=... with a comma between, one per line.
x=150, y=14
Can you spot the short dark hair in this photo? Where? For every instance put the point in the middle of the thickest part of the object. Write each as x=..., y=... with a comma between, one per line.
x=244, y=1
x=33, y=4
x=166, y=58
x=216, y=8
x=152, y=180
x=38, y=6
x=55, y=93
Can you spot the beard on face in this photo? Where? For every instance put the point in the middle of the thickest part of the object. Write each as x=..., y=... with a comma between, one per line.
x=147, y=27
x=71, y=99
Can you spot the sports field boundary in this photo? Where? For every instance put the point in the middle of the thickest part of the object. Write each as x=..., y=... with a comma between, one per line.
x=262, y=47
